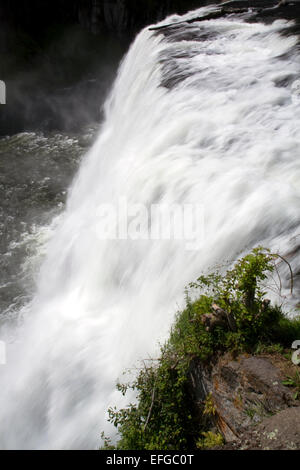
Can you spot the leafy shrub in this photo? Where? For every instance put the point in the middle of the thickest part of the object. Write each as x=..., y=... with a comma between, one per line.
x=209, y=407
x=210, y=440
x=164, y=417
x=294, y=381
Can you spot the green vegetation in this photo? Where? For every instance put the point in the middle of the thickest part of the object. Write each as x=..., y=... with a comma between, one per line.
x=210, y=440
x=229, y=314
x=262, y=348
x=294, y=381
x=209, y=407
x=258, y=410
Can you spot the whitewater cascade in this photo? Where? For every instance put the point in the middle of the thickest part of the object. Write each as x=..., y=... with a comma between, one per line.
x=206, y=116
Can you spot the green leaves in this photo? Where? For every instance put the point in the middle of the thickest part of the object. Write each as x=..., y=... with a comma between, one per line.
x=293, y=381
x=210, y=440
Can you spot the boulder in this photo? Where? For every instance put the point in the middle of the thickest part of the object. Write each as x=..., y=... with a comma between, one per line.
x=249, y=399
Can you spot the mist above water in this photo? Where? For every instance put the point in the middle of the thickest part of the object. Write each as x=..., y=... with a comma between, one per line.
x=57, y=79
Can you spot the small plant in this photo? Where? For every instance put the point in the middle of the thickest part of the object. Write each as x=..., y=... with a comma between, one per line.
x=250, y=412
x=209, y=407
x=259, y=410
x=262, y=348
x=107, y=444
x=210, y=440
x=293, y=381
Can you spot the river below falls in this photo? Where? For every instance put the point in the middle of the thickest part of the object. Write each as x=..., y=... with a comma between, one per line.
x=36, y=170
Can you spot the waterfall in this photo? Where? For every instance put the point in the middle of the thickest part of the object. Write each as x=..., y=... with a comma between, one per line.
x=199, y=114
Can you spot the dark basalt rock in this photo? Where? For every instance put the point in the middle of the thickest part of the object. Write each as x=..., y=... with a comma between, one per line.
x=95, y=15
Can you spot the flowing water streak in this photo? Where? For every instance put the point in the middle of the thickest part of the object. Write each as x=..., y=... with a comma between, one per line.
x=226, y=135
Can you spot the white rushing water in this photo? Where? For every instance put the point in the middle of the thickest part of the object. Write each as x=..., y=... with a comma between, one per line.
x=227, y=137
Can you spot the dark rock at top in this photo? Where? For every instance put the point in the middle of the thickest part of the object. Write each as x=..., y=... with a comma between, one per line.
x=121, y=16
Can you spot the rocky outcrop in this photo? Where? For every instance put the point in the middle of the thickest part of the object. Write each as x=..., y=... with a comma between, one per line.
x=279, y=432
x=252, y=408
x=121, y=16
